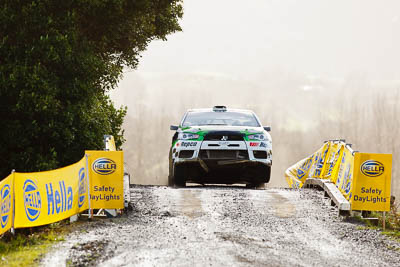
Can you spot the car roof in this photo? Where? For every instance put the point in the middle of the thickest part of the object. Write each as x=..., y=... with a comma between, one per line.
x=212, y=110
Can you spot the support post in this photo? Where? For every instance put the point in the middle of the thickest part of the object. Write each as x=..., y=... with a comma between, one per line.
x=12, y=230
x=384, y=220
x=90, y=213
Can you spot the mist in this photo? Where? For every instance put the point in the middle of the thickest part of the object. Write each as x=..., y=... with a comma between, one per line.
x=313, y=70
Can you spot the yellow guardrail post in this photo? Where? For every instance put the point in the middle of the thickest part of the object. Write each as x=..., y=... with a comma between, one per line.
x=13, y=200
x=90, y=213
x=7, y=204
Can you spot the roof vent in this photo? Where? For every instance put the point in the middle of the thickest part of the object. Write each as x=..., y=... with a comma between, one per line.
x=219, y=108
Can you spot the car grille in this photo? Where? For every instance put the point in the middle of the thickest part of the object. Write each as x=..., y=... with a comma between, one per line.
x=224, y=136
x=224, y=154
x=260, y=154
x=186, y=154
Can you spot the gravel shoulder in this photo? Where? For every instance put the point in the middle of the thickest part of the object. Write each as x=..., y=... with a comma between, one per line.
x=225, y=226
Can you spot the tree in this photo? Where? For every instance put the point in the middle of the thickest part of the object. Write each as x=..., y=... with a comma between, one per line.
x=58, y=60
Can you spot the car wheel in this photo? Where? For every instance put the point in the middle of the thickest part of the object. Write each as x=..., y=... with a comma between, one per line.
x=268, y=176
x=179, y=179
x=263, y=176
x=256, y=185
x=171, y=181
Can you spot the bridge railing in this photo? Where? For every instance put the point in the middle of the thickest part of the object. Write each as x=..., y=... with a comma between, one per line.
x=40, y=198
x=363, y=179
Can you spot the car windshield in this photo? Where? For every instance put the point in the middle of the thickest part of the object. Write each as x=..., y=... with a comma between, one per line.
x=220, y=118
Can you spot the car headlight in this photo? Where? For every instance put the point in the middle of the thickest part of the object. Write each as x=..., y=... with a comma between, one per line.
x=187, y=136
x=257, y=137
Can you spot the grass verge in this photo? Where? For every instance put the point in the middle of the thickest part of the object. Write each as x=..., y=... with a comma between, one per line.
x=27, y=246
x=392, y=222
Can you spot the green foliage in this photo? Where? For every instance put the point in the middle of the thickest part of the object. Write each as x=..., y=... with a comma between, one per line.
x=392, y=225
x=58, y=60
x=392, y=220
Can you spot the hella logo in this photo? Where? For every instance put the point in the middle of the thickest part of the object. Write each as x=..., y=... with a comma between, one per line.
x=372, y=168
x=104, y=166
x=5, y=204
x=32, y=200
x=82, y=187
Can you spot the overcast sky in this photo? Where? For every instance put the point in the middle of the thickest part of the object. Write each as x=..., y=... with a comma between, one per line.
x=327, y=38
x=274, y=48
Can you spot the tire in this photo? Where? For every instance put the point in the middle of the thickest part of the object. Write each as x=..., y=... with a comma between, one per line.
x=179, y=179
x=255, y=185
x=171, y=181
x=171, y=178
x=263, y=177
x=268, y=176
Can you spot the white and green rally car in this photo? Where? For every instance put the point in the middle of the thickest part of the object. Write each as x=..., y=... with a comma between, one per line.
x=220, y=146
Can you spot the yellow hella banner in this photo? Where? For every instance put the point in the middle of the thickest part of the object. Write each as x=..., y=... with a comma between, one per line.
x=312, y=166
x=372, y=181
x=297, y=174
x=344, y=176
x=106, y=172
x=330, y=170
x=50, y=196
x=319, y=161
x=6, y=203
x=364, y=179
x=337, y=162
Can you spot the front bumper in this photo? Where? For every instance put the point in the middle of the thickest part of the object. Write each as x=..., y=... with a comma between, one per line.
x=223, y=162
x=222, y=153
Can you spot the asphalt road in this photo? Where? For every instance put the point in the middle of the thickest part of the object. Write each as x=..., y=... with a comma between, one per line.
x=225, y=226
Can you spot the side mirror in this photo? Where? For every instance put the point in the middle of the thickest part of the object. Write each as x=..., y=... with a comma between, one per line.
x=173, y=127
x=267, y=128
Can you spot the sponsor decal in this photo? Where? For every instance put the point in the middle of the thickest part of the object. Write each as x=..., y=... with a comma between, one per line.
x=341, y=169
x=374, y=199
x=82, y=187
x=304, y=168
x=334, y=158
x=369, y=199
x=262, y=144
x=5, y=203
x=58, y=200
x=347, y=180
x=189, y=144
x=372, y=168
x=32, y=200
x=320, y=164
x=253, y=144
x=105, y=193
x=295, y=184
x=104, y=166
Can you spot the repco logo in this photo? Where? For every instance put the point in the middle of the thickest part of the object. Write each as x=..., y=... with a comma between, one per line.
x=32, y=200
x=82, y=187
x=5, y=205
x=189, y=144
x=372, y=168
x=104, y=166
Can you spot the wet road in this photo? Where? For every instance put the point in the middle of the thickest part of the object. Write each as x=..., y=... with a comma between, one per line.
x=226, y=226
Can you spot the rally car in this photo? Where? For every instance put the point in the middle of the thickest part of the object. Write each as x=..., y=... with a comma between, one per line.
x=220, y=146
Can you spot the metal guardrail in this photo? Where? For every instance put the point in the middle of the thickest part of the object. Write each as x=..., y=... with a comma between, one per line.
x=332, y=192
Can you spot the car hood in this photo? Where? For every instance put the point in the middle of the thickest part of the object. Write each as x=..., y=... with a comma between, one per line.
x=208, y=128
